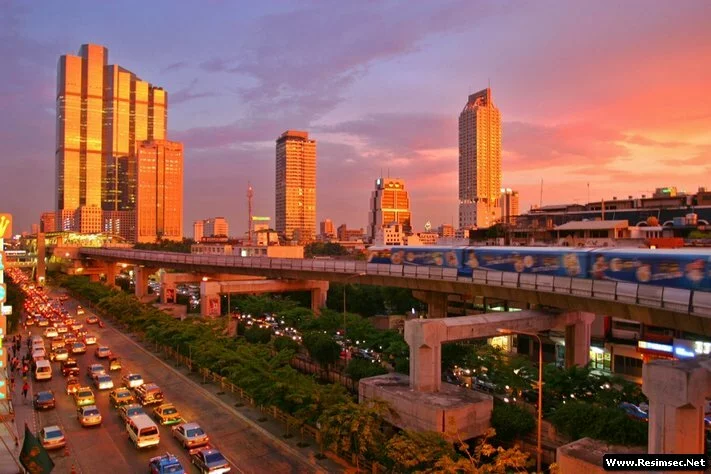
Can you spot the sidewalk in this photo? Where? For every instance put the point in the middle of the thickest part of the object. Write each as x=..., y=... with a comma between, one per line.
x=9, y=438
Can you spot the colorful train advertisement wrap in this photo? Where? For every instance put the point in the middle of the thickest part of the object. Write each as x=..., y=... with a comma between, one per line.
x=675, y=269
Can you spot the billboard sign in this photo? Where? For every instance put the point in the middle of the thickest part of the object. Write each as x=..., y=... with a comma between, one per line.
x=5, y=226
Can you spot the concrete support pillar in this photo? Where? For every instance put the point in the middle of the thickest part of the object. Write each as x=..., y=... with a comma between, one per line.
x=437, y=303
x=424, y=339
x=111, y=274
x=318, y=296
x=210, y=303
x=577, y=338
x=140, y=275
x=41, y=272
x=168, y=292
x=676, y=391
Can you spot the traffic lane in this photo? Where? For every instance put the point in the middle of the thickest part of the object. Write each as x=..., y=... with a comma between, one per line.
x=136, y=458
x=93, y=449
x=240, y=443
x=104, y=448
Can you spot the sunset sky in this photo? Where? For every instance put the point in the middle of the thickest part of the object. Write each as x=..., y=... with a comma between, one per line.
x=615, y=94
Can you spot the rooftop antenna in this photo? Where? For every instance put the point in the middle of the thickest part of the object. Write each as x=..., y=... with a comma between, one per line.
x=588, y=193
x=540, y=203
x=388, y=172
x=250, y=194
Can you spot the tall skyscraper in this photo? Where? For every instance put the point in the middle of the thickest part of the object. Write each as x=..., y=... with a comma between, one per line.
x=296, y=186
x=103, y=113
x=389, y=203
x=479, y=162
x=509, y=205
x=80, y=92
x=159, y=196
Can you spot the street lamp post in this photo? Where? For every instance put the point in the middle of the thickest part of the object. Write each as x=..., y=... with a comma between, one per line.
x=345, y=285
x=539, y=450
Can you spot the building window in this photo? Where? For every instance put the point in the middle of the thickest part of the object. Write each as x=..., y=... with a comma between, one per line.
x=628, y=366
x=600, y=360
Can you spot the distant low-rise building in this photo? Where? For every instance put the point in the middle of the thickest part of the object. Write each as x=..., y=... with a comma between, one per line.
x=48, y=222
x=391, y=234
x=446, y=230
x=328, y=230
x=350, y=235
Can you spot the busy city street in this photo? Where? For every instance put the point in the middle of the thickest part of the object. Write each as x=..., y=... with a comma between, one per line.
x=107, y=447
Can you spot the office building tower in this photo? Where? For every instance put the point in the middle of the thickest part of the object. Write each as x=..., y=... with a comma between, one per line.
x=328, y=229
x=198, y=230
x=159, y=196
x=48, y=222
x=479, y=162
x=509, y=205
x=296, y=186
x=389, y=203
x=215, y=227
x=103, y=113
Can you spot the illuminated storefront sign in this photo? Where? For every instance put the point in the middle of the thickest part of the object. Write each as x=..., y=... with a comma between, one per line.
x=655, y=347
x=684, y=348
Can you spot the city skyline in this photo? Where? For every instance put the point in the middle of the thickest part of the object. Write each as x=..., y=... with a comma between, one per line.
x=622, y=111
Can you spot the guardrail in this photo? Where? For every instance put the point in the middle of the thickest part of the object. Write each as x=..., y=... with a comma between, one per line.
x=693, y=302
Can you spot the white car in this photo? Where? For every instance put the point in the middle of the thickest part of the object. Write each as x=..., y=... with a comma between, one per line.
x=50, y=332
x=38, y=354
x=103, y=382
x=89, y=339
x=132, y=380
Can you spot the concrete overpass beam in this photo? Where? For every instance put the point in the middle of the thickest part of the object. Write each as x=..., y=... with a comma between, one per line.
x=577, y=338
x=318, y=296
x=677, y=392
x=437, y=303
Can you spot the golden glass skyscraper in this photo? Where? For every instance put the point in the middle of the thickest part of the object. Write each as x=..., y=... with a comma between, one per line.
x=296, y=186
x=103, y=113
x=159, y=196
x=479, y=162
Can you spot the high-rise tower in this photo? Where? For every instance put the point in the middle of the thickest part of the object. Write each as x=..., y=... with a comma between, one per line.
x=389, y=203
x=479, y=162
x=296, y=186
x=103, y=113
x=159, y=194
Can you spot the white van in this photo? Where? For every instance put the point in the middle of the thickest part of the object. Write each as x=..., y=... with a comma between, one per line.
x=142, y=431
x=43, y=370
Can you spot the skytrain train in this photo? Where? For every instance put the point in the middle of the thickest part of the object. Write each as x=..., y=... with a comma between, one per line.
x=682, y=268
